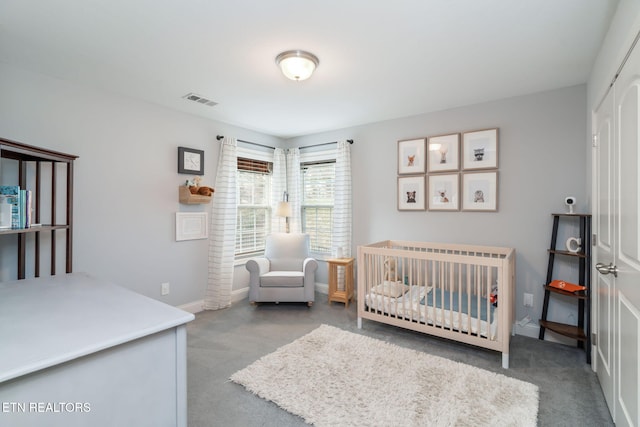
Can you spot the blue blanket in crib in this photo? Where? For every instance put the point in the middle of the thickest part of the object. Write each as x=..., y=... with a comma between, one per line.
x=455, y=301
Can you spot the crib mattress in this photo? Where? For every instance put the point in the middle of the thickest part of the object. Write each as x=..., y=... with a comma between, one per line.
x=417, y=304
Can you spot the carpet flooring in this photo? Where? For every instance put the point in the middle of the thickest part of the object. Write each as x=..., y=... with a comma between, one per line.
x=220, y=343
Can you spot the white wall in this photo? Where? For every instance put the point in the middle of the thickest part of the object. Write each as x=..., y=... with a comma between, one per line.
x=542, y=160
x=622, y=30
x=624, y=27
x=126, y=180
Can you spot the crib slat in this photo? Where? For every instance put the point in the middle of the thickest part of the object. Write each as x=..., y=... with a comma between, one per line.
x=468, y=290
x=490, y=280
x=476, y=302
x=454, y=315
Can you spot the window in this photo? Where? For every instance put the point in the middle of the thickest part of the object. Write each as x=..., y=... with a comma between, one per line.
x=317, y=204
x=254, y=213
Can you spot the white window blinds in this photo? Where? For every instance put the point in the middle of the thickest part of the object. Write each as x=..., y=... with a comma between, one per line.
x=317, y=204
x=254, y=213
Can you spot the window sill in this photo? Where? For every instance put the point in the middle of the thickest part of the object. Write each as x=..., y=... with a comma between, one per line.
x=321, y=257
x=242, y=260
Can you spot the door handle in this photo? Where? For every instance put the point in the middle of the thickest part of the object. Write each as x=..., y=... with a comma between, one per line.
x=606, y=269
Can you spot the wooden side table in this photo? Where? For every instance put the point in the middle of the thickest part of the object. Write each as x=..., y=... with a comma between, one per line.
x=334, y=293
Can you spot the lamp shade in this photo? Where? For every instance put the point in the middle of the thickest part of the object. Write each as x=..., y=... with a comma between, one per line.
x=284, y=209
x=297, y=64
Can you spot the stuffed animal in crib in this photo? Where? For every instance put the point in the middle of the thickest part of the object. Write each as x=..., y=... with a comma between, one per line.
x=390, y=269
x=493, y=297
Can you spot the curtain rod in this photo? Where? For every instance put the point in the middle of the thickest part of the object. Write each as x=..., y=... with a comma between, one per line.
x=219, y=137
x=350, y=141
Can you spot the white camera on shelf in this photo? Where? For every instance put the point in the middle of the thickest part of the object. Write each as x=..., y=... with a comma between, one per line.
x=570, y=201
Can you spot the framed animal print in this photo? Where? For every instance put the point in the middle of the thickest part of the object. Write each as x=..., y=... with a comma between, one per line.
x=411, y=193
x=480, y=149
x=480, y=191
x=442, y=192
x=443, y=153
x=411, y=157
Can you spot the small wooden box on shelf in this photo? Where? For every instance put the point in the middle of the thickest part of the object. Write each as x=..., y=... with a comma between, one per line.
x=346, y=294
x=187, y=198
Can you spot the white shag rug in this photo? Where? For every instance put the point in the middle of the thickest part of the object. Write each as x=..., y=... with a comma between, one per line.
x=331, y=377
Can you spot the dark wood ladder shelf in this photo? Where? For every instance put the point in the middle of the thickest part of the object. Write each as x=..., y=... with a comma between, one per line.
x=582, y=331
x=30, y=160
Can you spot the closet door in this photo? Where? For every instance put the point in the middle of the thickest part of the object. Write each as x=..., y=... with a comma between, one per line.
x=602, y=289
x=617, y=281
x=627, y=249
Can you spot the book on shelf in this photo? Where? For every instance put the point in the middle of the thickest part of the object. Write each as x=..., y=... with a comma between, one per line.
x=23, y=216
x=15, y=207
x=27, y=208
x=566, y=286
x=6, y=207
x=11, y=197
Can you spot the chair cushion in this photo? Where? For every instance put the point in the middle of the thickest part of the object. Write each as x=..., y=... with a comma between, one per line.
x=286, y=264
x=282, y=279
x=286, y=252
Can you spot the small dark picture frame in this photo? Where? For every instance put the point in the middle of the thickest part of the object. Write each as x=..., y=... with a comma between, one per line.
x=190, y=161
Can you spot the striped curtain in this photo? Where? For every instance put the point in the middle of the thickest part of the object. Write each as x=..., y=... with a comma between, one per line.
x=294, y=188
x=341, y=236
x=278, y=187
x=222, y=230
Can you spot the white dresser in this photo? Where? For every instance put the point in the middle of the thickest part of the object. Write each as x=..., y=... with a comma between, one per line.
x=79, y=351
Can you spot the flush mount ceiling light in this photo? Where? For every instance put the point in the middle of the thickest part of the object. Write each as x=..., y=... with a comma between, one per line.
x=297, y=64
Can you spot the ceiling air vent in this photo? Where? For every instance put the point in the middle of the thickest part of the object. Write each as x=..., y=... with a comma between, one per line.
x=199, y=99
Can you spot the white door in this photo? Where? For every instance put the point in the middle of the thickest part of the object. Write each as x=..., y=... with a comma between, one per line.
x=603, y=223
x=627, y=259
x=617, y=282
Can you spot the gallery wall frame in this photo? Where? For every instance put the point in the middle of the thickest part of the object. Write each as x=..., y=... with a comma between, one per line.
x=411, y=156
x=443, y=153
x=480, y=149
x=443, y=192
x=411, y=193
x=191, y=226
x=449, y=172
x=480, y=191
x=190, y=161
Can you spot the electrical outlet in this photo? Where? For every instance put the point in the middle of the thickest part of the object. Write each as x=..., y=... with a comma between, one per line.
x=528, y=300
x=164, y=288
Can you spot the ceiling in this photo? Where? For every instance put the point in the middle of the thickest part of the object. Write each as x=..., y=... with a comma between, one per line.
x=379, y=59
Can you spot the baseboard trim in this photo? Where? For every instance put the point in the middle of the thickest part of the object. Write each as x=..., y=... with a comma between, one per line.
x=323, y=288
x=239, y=294
x=193, y=307
x=532, y=330
x=529, y=330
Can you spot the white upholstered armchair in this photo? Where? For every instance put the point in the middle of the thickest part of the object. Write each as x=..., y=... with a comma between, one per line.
x=286, y=273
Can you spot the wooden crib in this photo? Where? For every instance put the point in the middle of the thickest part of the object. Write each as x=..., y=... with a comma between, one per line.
x=460, y=292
